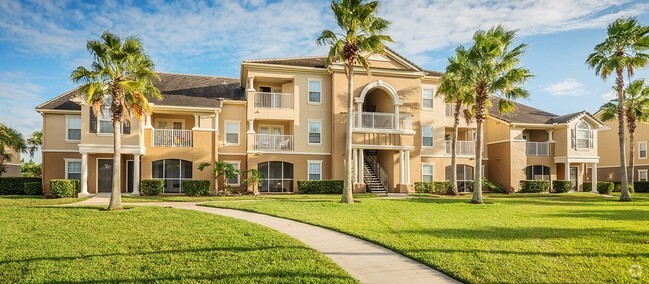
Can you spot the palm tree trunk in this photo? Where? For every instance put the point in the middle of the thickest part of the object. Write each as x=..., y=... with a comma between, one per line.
x=456, y=122
x=477, y=183
x=619, y=81
x=116, y=193
x=631, y=159
x=348, y=188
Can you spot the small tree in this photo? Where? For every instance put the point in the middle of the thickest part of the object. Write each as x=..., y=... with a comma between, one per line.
x=34, y=142
x=30, y=169
x=253, y=177
x=221, y=169
x=10, y=140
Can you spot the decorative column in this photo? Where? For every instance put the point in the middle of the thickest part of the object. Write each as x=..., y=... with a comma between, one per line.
x=396, y=116
x=84, y=174
x=136, y=174
x=401, y=167
x=407, y=167
x=251, y=128
x=355, y=165
x=196, y=121
x=250, y=84
x=148, y=121
x=566, y=171
x=361, y=165
x=594, y=177
x=550, y=135
x=359, y=115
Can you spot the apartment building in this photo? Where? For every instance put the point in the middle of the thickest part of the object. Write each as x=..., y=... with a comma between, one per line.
x=286, y=117
x=12, y=165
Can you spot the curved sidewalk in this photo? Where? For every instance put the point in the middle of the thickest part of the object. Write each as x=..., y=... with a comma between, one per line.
x=365, y=261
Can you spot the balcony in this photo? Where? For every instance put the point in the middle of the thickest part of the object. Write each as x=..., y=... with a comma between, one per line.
x=381, y=121
x=273, y=100
x=462, y=148
x=541, y=149
x=172, y=138
x=273, y=142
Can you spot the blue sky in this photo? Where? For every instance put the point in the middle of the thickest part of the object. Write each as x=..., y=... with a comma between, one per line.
x=41, y=42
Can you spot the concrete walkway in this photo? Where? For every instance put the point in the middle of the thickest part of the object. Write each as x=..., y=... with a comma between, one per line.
x=365, y=261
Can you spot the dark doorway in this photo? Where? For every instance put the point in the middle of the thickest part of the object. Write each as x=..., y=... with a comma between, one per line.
x=104, y=175
x=574, y=173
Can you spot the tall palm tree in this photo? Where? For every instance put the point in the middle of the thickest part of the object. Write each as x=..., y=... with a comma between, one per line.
x=34, y=142
x=622, y=50
x=362, y=35
x=492, y=69
x=10, y=140
x=121, y=74
x=459, y=95
x=636, y=109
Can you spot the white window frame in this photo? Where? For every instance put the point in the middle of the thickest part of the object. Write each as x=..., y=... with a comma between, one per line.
x=432, y=131
x=432, y=98
x=225, y=130
x=646, y=150
x=237, y=165
x=577, y=139
x=308, y=169
x=308, y=91
x=432, y=171
x=170, y=123
x=67, y=171
x=308, y=131
x=67, y=128
x=646, y=175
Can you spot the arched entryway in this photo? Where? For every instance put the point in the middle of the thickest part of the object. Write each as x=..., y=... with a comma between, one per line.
x=377, y=107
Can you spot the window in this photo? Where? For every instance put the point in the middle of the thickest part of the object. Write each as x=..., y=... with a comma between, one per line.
x=277, y=176
x=537, y=172
x=315, y=91
x=427, y=97
x=73, y=169
x=582, y=136
x=426, y=173
x=642, y=175
x=105, y=122
x=427, y=136
x=315, y=132
x=173, y=172
x=73, y=125
x=642, y=150
x=236, y=181
x=315, y=170
x=232, y=132
x=465, y=176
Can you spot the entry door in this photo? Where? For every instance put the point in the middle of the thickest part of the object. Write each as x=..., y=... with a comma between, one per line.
x=574, y=173
x=129, y=176
x=104, y=175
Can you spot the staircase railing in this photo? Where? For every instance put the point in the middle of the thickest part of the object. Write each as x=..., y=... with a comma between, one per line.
x=378, y=170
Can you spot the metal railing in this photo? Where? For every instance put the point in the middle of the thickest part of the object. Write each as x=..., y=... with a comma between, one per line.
x=381, y=120
x=273, y=142
x=378, y=170
x=538, y=149
x=172, y=138
x=462, y=148
x=273, y=100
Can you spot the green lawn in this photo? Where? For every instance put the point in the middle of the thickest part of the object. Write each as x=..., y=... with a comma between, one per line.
x=184, y=198
x=33, y=200
x=144, y=244
x=517, y=238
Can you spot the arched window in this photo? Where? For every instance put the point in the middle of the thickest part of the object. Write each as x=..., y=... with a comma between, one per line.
x=582, y=135
x=537, y=172
x=173, y=171
x=465, y=176
x=277, y=176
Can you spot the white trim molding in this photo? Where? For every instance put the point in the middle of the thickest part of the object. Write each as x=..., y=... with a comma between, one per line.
x=237, y=165
x=308, y=168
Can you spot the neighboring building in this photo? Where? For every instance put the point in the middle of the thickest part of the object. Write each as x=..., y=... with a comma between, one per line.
x=286, y=118
x=13, y=165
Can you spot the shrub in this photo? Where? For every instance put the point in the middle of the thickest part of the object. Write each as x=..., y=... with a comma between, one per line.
x=33, y=188
x=561, y=186
x=587, y=187
x=491, y=187
x=535, y=186
x=64, y=187
x=434, y=187
x=641, y=186
x=604, y=187
x=196, y=187
x=320, y=186
x=15, y=185
x=151, y=186
x=617, y=187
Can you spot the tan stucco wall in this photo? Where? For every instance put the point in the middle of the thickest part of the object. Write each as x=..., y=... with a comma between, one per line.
x=54, y=167
x=233, y=112
x=54, y=134
x=300, y=169
x=105, y=139
x=499, y=164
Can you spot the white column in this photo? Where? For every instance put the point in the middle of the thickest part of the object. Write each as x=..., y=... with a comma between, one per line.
x=567, y=171
x=361, y=166
x=594, y=177
x=550, y=136
x=250, y=84
x=251, y=129
x=396, y=117
x=401, y=167
x=136, y=174
x=407, y=167
x=84, y=174
x=355, y=165
x=148, y=120
x=196, y=121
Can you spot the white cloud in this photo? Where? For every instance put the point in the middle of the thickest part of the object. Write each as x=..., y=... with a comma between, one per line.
x=606, y=97
x=18, y=99
x=567, y=87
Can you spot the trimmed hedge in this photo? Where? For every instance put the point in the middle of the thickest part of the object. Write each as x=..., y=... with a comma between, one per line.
x=196, y=187
x=491, y=187
x=535, y=186
x=642, y=186
x=434, y=187
x=64, y=187
x=587, y=187
x=604, y=187
x=617, y=187
x=320, y=186
x=151, y=186
x=15, y=185
x=561, y=186
x=33, y=188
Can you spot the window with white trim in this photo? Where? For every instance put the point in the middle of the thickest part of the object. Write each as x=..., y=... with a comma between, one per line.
x=236, y=181
x=315, y=132
x=426, y=173
x=583, y=136
x=427, y=136
x=232, y=132
x=315, y=91
x=105, y=121
x=73, y=125
x=73, y=169
x=642, y=150
x=427, y=95
x=314, y=169
x=642, y=175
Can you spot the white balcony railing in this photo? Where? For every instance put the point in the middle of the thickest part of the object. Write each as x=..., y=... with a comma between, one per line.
x=273, y=100
x=381, y=120
x=172, y=138
x=273, y=142
x=538, y=149
x=462, y=148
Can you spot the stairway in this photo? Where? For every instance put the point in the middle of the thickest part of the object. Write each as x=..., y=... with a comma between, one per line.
x=372, y=180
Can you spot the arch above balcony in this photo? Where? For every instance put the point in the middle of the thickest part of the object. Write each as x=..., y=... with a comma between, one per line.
x=379, y=84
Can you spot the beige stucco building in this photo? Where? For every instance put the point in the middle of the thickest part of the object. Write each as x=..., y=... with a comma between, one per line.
x=286, y=117
x=12, y=165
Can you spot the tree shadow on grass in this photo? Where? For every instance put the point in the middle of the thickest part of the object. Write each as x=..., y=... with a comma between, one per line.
x=529, y=253
x=609, y=214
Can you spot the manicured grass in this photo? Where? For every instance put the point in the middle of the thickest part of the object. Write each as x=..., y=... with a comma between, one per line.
x=516, y=238
x=33, y=200
x=184, y=198
x=144, y=244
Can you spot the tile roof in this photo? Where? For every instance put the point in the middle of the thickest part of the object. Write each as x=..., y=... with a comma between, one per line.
x=528, y=114
x=307, y=61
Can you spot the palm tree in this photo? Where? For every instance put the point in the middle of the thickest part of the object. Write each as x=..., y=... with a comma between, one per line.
x=362, y=35
x=10, y=140
x=491, y=69
x=621, y=50
x=121, y=74
x=459, y=95
x=34, y=142
x=636, y=109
